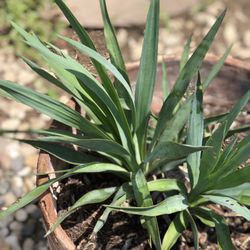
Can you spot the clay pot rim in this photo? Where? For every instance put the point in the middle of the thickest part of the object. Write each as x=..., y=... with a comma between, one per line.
x=59, y=238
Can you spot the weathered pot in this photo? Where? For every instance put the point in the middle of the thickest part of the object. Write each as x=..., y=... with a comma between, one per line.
x=230, y=84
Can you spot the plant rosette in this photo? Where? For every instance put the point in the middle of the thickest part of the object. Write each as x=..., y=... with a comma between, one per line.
x=119, y=135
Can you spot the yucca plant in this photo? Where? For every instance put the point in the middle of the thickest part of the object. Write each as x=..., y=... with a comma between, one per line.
x=119, y=135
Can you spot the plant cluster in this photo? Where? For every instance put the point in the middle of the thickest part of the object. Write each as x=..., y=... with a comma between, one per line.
x=31, y=15
x=118, y=134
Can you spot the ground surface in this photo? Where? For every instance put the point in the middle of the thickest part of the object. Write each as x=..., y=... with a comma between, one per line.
x=18, y=162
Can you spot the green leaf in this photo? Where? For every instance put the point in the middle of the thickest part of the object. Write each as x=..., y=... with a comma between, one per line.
x=239, y=155
x=143, y=199
x=215, y=119
x=231, y=204
x=175, y=229
x=92, y=197
x=242, y=129
x=234, y=179
x=177, y=122
x=210, y=157
x=108, y=106
x=240, y=193
x=118, y=199
x=185, y=53
x=194, y=230
x=101, y=145
x=195, y=134
x=54, y=109
x=44, y=74
x=86, y=40
x=147, y=73
x=164, y=185
x=88, y=168
x=105, y=63
x=168, y=151
x=26, y=199
x=190, y=69
x=165, y=82
x=170, y=205
x=203, y=214
x=222, y=232
x=111, y=41
x=63, y=153
x=216, y=68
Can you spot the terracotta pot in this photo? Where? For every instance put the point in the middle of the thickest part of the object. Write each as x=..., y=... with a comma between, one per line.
x=230, y=84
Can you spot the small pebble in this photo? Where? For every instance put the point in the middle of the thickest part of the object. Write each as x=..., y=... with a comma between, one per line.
x=29, y=228
x=13, y=242
x=230, y=33
x=24, y=172
x=246, y=38
x=9, y=198
x=11, y=124
x=4, y=186
x=17, y=185
x=16, y=226
x=31, y=208
x=21, y=215
x=28, y=244
x=4, y=232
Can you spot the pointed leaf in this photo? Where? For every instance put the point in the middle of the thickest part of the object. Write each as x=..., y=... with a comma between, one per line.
x=147, y=72
x=190, y=69
x=222, y=232
x=170, y=205
x=231, y=204
x=92, y=197
x=143, y=199
x=216, y=68
x=185, y=53
x=195, y=134
x=48, y=106
x=175, y=229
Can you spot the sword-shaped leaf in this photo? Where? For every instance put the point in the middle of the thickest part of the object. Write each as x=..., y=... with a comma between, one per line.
x=147, y=73
x=185, y=53
x=170, y=205
x=222, y=232
x=92, y=197
x=169, y=151
x=175, y=229
x=143, y=199
x=230, y=203
x=190, y=69
x=195, y=134
x=48, y=106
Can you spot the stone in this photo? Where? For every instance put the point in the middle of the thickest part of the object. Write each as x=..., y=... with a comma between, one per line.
x=16, y=226
x=246, y=38
x=31, y=208
x=28, y=244
x=25, y=77
x=122, y=37
x=9, y=198
x=11, y=124
x=29, y=228
x=4, y=186
x=4, y=232
x=21, y=215
x=24, y=172
x=13, y=242
x=230, y=33
x=17, y=185
x=4, y=245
